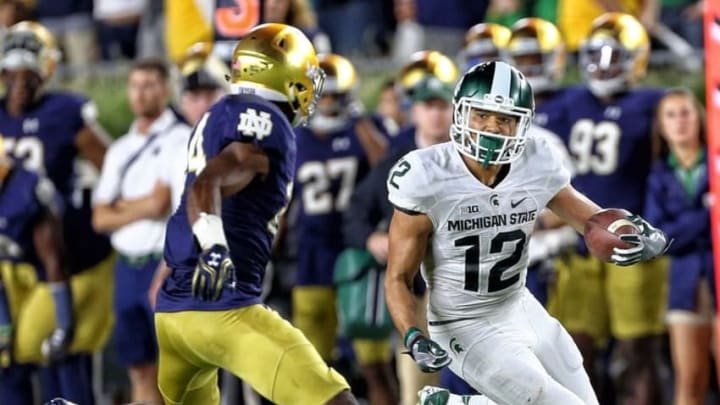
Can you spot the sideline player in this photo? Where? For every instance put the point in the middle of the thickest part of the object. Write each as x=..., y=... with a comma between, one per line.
x=239, y=179
x=30, y=250
x=48, y=131
x=471, y=243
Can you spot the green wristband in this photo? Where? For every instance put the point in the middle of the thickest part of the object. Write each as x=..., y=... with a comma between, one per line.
x=411, y=335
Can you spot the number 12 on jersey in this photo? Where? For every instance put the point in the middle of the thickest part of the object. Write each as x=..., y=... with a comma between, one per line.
x=495, y=281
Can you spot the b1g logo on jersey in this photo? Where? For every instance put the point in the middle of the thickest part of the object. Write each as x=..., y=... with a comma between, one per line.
x=470, y=209
x=254, y=124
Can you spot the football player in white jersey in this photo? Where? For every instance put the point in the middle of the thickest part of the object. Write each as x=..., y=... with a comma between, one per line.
x=464, y=210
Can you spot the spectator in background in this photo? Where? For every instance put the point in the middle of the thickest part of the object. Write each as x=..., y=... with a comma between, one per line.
x=71, y=23
x=677, y=202
x=434, y=24
x=685, y=17
x=141, y=180
x=300, y=14
x=347, y=23
x=118, y=23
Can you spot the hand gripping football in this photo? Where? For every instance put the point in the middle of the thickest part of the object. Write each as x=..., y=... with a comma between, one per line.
x=602, y=230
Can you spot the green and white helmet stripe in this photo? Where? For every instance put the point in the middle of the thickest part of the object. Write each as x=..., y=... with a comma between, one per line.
x=493, y=86
x=502, y=80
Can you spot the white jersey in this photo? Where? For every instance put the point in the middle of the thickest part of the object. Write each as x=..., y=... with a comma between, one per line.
x=479, y=253
x=555, y=142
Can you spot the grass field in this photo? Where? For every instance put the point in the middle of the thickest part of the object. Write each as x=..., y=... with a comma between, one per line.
x=109, y=92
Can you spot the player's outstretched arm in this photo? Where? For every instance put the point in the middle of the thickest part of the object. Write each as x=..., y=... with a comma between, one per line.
x=573, y=207
x=409, y=234
x=225, y=174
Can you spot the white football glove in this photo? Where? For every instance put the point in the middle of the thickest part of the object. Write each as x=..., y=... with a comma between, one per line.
x=648, y=244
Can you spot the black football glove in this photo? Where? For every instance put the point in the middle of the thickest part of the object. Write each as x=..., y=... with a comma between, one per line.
x=648, y=244
x=428, y=355
x=213, y=271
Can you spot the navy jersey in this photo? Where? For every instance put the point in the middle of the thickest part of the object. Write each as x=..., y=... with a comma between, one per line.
x=550, y=113
x=44, y=139
x=24, y=196
x=405, y=137
x=327, y=171
x=249, y=216
x=610, y=145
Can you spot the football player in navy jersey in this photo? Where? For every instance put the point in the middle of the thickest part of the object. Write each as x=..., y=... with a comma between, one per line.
x=47, y=131
x=608, y=137
x=333, y=156
x=31, y=251
x=241, y=161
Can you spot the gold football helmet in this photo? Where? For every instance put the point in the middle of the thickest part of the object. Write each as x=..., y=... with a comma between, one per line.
x=29, y=45
x=337, y=105
x=483, y=43
x=425, y=63
x=538, y=51
x=340, y=74
x=615, y=54
x=201, y=69
x=278, y=62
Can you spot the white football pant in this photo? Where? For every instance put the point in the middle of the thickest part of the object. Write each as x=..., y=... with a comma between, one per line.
x=518, y=354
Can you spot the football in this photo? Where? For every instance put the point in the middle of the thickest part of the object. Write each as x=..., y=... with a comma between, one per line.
x=602, y=230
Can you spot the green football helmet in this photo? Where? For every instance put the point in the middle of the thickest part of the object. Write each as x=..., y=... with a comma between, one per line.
x=498, y=87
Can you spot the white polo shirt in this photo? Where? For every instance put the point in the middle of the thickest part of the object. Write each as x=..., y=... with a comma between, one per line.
x=133, y=165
